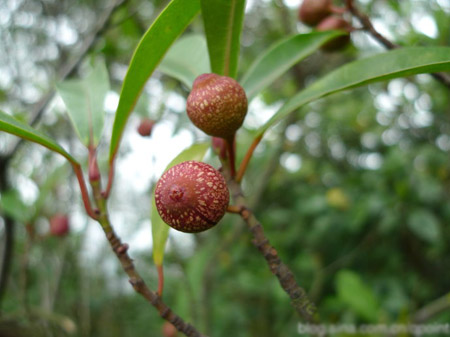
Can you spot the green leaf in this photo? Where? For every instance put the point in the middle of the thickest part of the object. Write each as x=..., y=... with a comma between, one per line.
x=172, y=21
x=22, y=130
x=223, y=24
x=357, y=295
x=160, y=230
x=392, y=64
x=280, y=57
x=424, y=225
x=187, y=59
x=12, y=205
x=84, y=100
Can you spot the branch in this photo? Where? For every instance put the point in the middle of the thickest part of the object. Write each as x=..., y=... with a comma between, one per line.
x=135, y=279
x=367, y=25
x=430, y=310
x=299, y=299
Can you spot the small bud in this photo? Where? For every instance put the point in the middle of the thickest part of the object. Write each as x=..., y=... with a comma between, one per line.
x=217, y=105
x=59, y=225
x=145, y=127
x=192, y=196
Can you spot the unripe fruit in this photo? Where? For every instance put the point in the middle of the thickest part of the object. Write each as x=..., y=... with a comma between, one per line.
x=192, y=196
x=311, y=12
x=145, y=127
x=335, y=23
x=59, y=225
x=217, y=105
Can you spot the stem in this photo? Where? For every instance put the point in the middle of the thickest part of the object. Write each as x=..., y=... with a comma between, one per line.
x=135, y=279
x=246, y=160
x=299, y=299
x=160, y=270
x=369, y=28
x=84, y=191
x=110, y=178
x=432, y=309
x=231, y=155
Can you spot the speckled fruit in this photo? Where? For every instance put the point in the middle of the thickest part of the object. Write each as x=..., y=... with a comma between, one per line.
x=311, y=12
x=145, y=127
x=217, y=105
x=192, y=196
x=59, y=225
x=335, y=23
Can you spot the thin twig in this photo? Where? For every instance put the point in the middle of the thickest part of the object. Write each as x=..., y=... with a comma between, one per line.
x=135, y=279
x=367, y=25
x=432, y=309
x=299, y=299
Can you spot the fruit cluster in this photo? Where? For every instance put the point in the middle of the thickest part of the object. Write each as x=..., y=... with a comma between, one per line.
x=321, y=14
x=193, y=196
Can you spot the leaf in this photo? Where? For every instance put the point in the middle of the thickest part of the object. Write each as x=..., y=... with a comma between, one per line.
x=392, y=64
x=357, y=295
x=160, y=230
x=22, y=130
x=172, y=21
x=187, y=59
x=280, y=57
x=84, y=100
x=223, y=24
x=424, y=225
x=12, y=204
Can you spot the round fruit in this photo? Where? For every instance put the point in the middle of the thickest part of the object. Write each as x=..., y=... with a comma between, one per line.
x=217, y=105
x=59, y=225
x=335, y=23
x=311, y=12
x=169, y=330
x=192, y=196
x=145, y=127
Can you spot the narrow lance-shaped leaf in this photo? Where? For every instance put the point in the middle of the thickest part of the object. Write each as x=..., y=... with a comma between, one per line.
x=223, y=25
x=187, y=59
x=13, y=126
x=280, y=57
x=84, y=100
x=160, y=230
x=172, y=21
x=392, y=64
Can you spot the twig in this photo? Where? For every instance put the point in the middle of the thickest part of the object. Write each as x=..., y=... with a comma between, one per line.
x=299, y=299
x=432, y=309
x=135, y=279
x=369, y=28
x=246, y=160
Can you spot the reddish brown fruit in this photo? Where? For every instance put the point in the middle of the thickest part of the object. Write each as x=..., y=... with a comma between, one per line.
x=145, y=127
x=59, y=225
x=217, y=105
x=311, y=12
x=192, y=196
x=335, y=23
x=169, y=330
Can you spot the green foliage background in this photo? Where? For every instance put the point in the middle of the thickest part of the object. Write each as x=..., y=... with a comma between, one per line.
x=352, y=189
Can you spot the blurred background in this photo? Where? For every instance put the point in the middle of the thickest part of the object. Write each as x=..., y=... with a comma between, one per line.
x=352, y=190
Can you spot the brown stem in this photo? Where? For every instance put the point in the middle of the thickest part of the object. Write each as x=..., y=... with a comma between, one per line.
x=121, y=251
x=432, y=309
x=299, y=299
x=84, y=191
x=160, y=270
x=369, y=28
x=231, y=155
x=246, y=160
x=234, y=209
